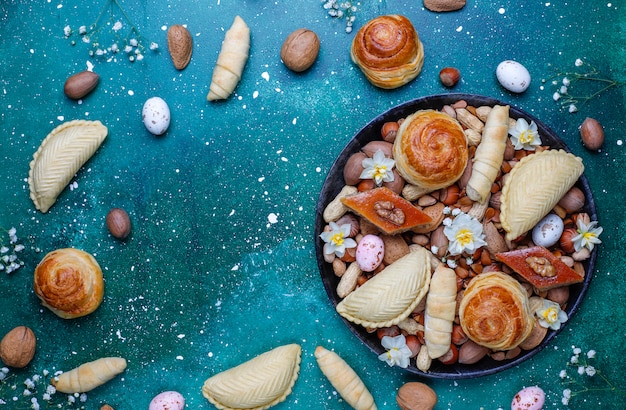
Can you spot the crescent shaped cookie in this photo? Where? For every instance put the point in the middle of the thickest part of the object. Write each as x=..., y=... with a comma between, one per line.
x=89, y=375
x=257, y=384
x=495, y=311
x=440, y=311
x=60, y=156
x=534, y=187
x=391, y=295
x=344, y=379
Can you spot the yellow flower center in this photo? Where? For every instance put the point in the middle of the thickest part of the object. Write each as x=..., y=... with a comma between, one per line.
x=589, y=235
x=464, y=237
x=337, y=238
x=550, y=315
x=526, y=137
x=380, y=171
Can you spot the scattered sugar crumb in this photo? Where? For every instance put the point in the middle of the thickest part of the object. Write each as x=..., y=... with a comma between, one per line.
x=272, y=218
x=261, y=179
x=459, y=29
x=294, y=121
x=265, y=75
x=255, y=94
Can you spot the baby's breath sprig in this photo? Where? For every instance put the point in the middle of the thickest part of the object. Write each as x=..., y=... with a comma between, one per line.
x=108, y=37
x=586, y=373
x=35, y=392
x=585, y=72
x=9, y=258
x=342, y=9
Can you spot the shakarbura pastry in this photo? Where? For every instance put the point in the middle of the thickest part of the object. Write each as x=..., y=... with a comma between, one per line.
x=69, y=282
x=388, y=51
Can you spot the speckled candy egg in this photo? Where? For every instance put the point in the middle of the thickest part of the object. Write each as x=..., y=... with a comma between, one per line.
x=548, y=231
x=168, y=400
x=530, y=398
x=370, y=252
x=513, y=76
x=156, y=115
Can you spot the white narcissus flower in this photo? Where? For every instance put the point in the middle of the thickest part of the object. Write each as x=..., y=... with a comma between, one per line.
x=465, y=235
x=337, y=239
x=550, y=315
x=379, y=168
x=587, y=235
x=398, y=353
x=524, y=135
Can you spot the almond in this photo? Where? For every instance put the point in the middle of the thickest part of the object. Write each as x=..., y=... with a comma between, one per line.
x=17, y=347
x=470, y=352
x=81, y=84
x=592, y=134
x=179, y=44
x=416, y=396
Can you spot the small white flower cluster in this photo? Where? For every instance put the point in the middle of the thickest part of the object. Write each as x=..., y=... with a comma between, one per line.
x=566, y=81
x=130, y=43
x=344, y=9
x=580, y=362
x=33, y=396
x=465, y=235
x=9, y=261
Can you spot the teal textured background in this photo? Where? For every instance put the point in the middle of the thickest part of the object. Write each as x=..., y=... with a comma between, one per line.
x=220, y=265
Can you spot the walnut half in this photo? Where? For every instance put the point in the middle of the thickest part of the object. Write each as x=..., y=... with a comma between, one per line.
x=542, y=266
x=388, y=211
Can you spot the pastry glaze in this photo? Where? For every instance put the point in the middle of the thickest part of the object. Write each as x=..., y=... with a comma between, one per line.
x=391, y=295
x=231, y=61
x=388, y=51
x=69, y=282
x=534, y=186
x=344, y=379
x=59, y=157
x=90, y=375
x=257, y=384
x=430, y=150
x=489, y=154
x=495, y=311
x=440, y=311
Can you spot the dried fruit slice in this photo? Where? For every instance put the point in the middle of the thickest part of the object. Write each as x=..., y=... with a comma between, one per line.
x=540, y=267
x=387, y=210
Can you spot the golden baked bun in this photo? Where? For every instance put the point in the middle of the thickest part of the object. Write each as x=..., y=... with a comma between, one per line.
x=388, y=51
x=495, y=311
x=430, y=150
x=69, y=283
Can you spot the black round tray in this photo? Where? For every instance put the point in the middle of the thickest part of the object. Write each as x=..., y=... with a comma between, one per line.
x=334, y=182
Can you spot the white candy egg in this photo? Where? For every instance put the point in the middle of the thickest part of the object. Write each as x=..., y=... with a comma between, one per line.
x=370, y=252
x=548, y=231
x=168, y=400
x=156, y=115
x=513, y=76
x=530, y=398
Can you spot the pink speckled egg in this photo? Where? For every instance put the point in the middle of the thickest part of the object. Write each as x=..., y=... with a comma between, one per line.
x=370, y=252
x=168, y=400
x=530, y=398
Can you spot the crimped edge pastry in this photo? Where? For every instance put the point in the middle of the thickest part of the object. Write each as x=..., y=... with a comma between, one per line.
x=257, y=384
x=61, y=154
x=495, y=311
x=385, y=63
x=534, y=186
x=391, y=295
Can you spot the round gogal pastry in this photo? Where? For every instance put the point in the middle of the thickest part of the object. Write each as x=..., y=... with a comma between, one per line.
x=69, y=282
x=156, y=115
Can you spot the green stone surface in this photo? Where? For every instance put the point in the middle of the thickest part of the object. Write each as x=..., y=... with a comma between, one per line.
x=220, y=265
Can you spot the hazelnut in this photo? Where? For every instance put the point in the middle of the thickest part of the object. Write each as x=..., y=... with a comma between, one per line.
x=17, y=347
x=416, y=395
x=118, y=222
x=449, y=76
x=300, y=50
x=389, y=131
x=592, y=134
